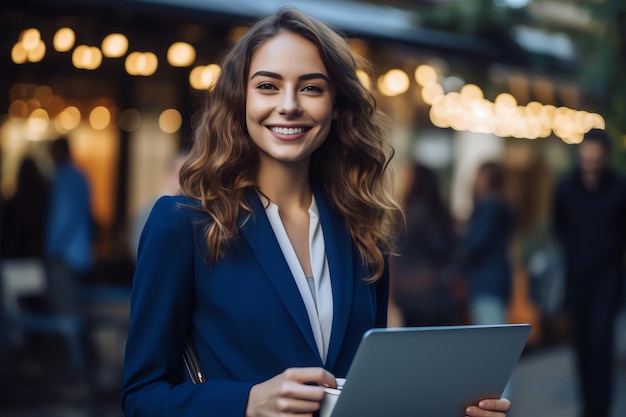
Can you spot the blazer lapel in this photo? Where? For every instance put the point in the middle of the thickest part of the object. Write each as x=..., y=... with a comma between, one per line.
x=259, y=234
x=340, y=262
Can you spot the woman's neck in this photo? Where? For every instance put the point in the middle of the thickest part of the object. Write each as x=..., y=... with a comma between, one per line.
x=286, y=185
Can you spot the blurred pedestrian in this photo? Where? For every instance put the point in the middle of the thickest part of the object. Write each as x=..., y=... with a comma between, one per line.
x=483, y=251
x=423, y=278
x=69, y=233
x=589, y=221
x=24, y=215
x=23, y=223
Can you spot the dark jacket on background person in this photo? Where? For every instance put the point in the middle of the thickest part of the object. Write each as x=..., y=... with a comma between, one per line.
x=24, y=214
x=591, y=228
x=484, y=249
x=422, y=273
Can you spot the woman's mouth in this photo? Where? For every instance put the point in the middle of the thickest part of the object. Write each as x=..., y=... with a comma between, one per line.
x=288, y=130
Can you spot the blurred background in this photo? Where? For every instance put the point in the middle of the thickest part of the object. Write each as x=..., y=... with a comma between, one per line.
x=464, y=82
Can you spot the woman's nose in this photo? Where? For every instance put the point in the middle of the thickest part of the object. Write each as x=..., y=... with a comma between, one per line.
x=289, y=105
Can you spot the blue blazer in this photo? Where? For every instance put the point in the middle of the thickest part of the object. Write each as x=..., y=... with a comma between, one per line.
x=244, y=314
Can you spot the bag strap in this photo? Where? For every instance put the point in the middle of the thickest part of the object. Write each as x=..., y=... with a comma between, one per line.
x=192, y=364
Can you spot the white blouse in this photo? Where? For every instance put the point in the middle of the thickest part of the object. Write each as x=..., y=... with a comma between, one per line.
x=316, y=292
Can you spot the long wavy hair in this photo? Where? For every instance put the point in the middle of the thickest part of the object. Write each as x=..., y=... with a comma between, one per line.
x=351, y=165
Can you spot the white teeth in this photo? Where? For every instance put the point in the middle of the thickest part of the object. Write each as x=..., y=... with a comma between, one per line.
x=288, y=130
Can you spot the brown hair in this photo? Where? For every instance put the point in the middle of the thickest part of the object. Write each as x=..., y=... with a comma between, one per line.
x=351, y=165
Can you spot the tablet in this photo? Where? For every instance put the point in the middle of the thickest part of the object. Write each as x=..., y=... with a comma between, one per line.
x=429, y=371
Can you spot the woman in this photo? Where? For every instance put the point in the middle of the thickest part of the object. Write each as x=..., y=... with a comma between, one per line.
x=273, y=261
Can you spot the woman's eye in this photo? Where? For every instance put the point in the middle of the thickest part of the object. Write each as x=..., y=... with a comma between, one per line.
x=313, y=89
x=266, y=86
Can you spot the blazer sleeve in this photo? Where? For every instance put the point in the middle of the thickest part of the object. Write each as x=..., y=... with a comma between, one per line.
x=160, y=324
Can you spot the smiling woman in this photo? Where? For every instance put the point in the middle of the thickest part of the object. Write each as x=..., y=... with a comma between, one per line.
x=273, y=261
x=289, y=104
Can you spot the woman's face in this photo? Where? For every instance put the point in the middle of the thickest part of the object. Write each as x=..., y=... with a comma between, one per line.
x=289, y=99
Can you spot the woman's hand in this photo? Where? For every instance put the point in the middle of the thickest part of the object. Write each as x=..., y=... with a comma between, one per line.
x=288, y=393
x=489, y=408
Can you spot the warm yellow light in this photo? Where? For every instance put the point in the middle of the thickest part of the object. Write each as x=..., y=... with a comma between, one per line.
x=114, y=45
x=393, y=83
x=38, y=120
x=63, y=40
x=430, y=92
x=547, y=116
x=99, y=117
x=33, y=103
x=382, y=86
x=81, y=56
x=18, y=108
x=425, y=74
x=471, y=92
x=19, y=55
x=181, y=54
x=96, y=58
x=170, y=121
x=56, y=123
x=69, y=118
x=151, y=63
x=481, y=116
x=37, y=53
x=464, y=111
x=563, y=125
x=30, y=38
x=438, y=117
x=397, y=80
x=130, y=64
x=534, y=108
x=579, y=118
x=576, y=137
x=594, y=121
x=130, y=120
x=505, y=101
x=203, y=78
x=141, y=63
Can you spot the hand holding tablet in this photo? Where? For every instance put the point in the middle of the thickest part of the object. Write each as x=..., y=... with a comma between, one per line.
x=434, y=371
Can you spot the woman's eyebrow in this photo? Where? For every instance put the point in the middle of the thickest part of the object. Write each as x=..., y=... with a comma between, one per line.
x=304, y=77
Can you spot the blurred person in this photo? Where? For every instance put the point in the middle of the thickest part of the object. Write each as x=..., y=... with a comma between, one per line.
x=24, y=214
x=69, y=232
x=589, y=221
x=170, y=185
x=23, y=223
x=272, y=261
x=483, y=250
x=422, y=275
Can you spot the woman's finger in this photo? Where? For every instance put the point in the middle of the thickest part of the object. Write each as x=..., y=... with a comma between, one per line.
x=489, y=408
